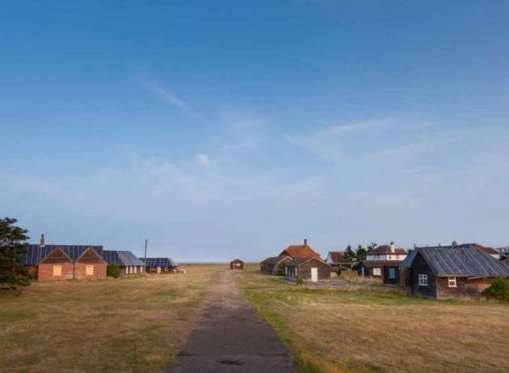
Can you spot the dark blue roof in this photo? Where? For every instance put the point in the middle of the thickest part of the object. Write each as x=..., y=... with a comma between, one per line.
x=121, y=258
x=36, y=253
x=159, y=262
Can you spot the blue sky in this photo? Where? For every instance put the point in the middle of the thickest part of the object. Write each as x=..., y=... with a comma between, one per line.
x=231, y=129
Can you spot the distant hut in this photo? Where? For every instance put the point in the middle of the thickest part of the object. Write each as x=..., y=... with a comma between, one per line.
x=236, y=264
x=159, y=265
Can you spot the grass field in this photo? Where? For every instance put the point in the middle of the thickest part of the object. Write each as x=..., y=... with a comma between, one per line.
x=131, y=325
x=380, y=331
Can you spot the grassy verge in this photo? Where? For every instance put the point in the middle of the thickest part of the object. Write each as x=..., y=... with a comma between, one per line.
x=131, y=325
x=338, y=330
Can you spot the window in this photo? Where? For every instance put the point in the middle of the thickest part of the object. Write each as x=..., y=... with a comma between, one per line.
x=392, y=273
x=452, y=282
x=377, y=271
x=90, y=270
x=423, y=279
x=57, y=270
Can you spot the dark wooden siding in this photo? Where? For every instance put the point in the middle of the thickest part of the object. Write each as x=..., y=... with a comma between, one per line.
x=324, y=270
x=421, y=267
x=465, y=288
x=386, y=272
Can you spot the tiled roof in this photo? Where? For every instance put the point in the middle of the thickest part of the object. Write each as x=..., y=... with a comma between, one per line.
x=121, y=258
x=35, y=253
x=159, y=262
x=337, y=256
x=301, y=260
x=386, y=250
x=300, y=251
x=462, y=260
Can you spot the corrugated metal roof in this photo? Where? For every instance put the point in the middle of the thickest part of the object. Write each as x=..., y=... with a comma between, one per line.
x=462, y=261
x=36, y=253
x=121, y=258
x=159, y=262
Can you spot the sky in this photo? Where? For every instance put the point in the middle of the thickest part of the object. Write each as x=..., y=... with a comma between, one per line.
x=225, y=129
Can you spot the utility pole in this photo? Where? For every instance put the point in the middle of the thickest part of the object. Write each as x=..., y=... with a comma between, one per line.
x=146, y=247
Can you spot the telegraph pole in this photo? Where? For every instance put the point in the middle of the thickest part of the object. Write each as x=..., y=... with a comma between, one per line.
x=146, y=247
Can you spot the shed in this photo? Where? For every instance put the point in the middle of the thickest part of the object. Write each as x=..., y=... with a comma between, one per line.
x=236, y=264
x=274, y=265
x=125, y=260
x=313, y=269
x=387, y=271
x=451, y=271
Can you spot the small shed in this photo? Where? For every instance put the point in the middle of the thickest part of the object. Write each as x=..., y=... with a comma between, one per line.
x=313, y=269
x=237, y=264
x=387, y=271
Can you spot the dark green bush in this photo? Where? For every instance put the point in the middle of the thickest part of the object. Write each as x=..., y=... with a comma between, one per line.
x=299, y=281
x=499, y=289
x=113, y=271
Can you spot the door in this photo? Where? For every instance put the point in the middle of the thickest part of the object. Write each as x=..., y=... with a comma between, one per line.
x=314, y=274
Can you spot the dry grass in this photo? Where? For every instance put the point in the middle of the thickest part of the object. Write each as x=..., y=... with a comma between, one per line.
x=132, y=325
x=381, y=331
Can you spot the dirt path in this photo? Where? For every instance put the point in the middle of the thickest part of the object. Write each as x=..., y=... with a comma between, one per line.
x=230, y=337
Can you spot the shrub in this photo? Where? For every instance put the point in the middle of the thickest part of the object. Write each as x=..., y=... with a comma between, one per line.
x=338, y=271
x=299, y=281
x=113, y=271
x=499, y=289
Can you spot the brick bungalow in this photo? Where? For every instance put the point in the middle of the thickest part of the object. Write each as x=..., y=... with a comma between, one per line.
x=159, y=265
x=313, y=269
x=383, y=262
x=125, y=260
x=450, y=271
x=65, y=262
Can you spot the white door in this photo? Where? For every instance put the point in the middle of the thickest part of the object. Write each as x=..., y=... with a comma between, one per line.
x=314, y=274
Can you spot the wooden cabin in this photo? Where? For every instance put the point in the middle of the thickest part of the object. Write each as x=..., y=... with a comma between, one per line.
x=460, y=271
x=313, y=269
x=125, y=260
x=64, y=262
x=237, y=264
x=274, y=265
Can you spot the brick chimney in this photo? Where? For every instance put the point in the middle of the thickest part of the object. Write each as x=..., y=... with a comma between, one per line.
x=42, y=241
x=305, y=241
x=393, y=248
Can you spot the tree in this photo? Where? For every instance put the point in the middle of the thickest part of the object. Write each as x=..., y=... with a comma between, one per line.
x=361, y=253
x=12, y=249
x=349, y=255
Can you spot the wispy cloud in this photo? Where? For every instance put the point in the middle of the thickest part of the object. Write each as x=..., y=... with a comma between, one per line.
x=171, y=98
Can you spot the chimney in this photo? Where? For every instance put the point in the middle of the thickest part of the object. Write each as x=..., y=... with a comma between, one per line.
x=42, y=241
x=393, y=248
x=305, y=241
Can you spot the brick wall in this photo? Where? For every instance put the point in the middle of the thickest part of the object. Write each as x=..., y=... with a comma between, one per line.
x=80, y=271
x=45, y=271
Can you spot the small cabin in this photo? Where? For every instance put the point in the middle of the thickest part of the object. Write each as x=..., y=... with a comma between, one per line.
x=236, y=264
x=459, y=271
x=383, y=262
x=159, y=265
x=126, y=261
x=312, y=269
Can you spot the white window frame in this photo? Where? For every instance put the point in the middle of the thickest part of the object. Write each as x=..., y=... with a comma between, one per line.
x=423, y=279
x=452, y=282
x=377, y=271
x=89, y=270
x=57, y=273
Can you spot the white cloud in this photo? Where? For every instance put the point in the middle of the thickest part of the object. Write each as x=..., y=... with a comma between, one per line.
x=168, y=96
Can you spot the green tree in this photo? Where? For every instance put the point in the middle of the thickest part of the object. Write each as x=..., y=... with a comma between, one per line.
x=361, y=253
x=12, y=249
x=349, y=254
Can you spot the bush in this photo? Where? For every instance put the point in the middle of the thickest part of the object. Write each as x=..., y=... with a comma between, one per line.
x=499, y=289
x=299, y=281
x=113, y=271
x=338, y=271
